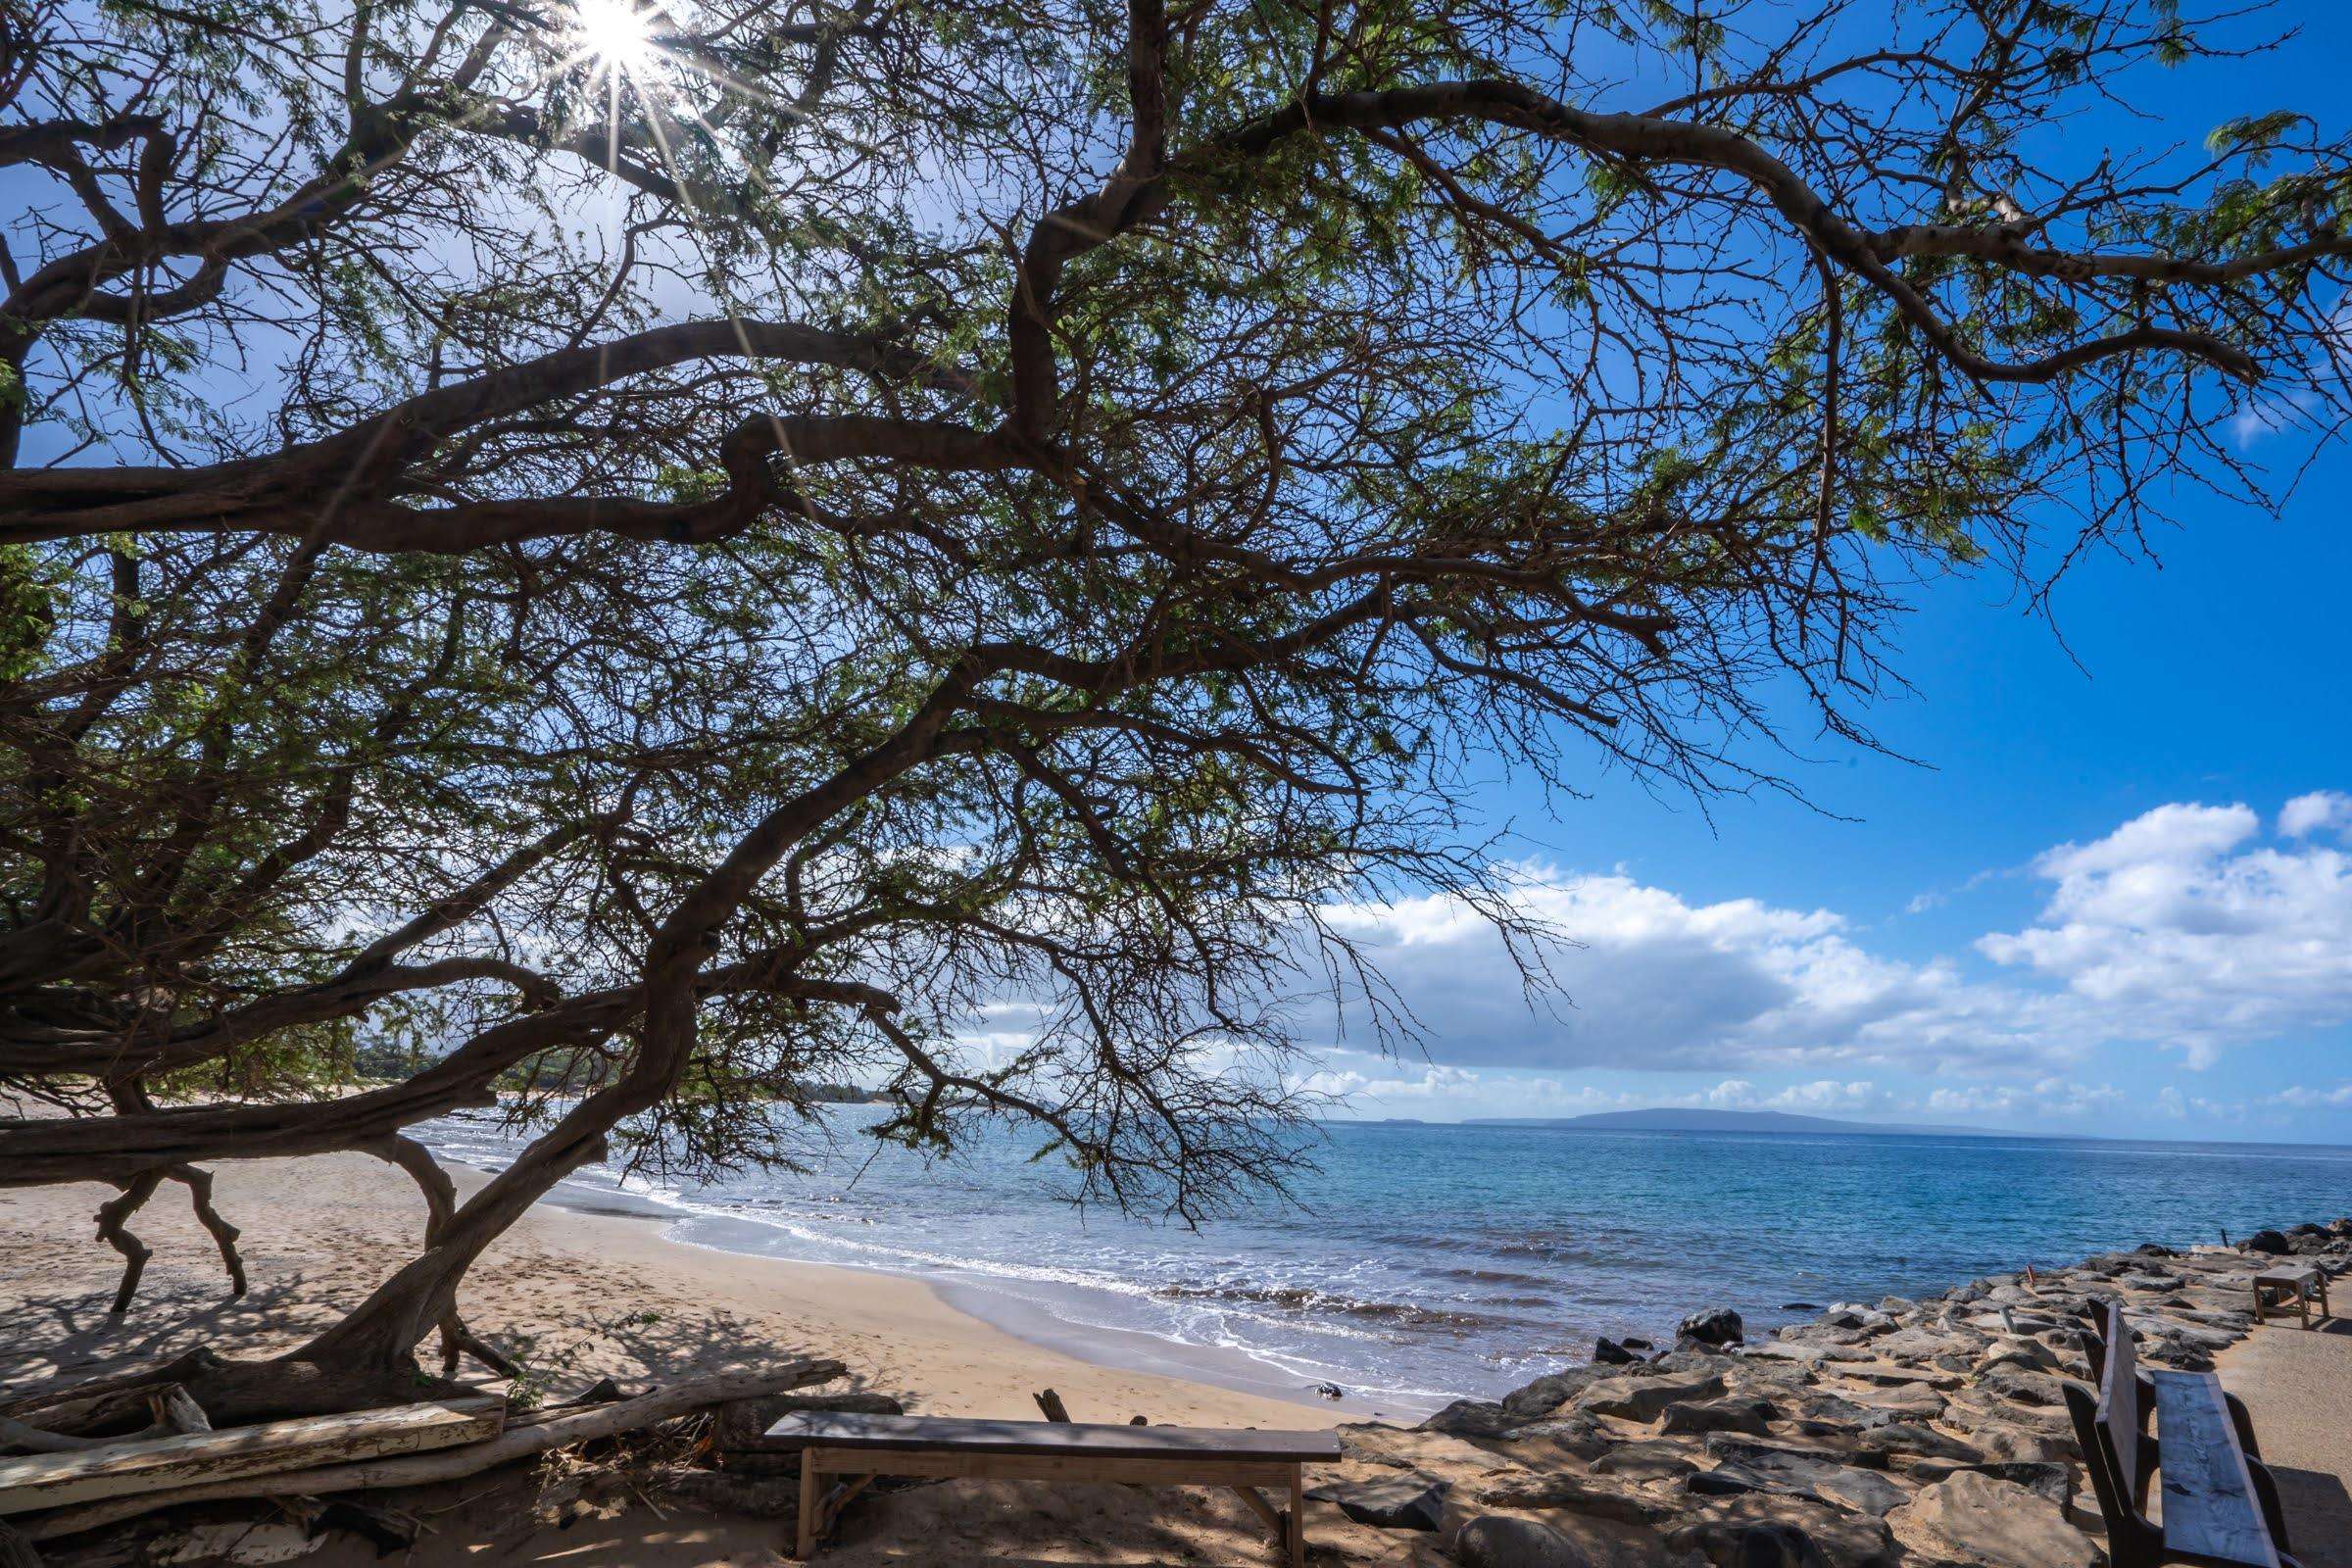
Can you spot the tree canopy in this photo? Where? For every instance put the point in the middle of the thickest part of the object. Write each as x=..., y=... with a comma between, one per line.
x=697, y=551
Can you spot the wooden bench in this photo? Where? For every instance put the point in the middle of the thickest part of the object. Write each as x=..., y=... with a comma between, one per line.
x=2107, y=1323
x=2299, y=1283
x=859, y=1448
x=2219, y=1505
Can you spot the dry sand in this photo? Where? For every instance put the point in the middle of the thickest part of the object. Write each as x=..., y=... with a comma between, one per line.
x=589, y=1296
x=2295, y=1382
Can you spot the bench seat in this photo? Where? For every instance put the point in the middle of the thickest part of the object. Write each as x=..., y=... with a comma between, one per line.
x=2219, y=1506
x=859, y=1448
x=2212, y=1513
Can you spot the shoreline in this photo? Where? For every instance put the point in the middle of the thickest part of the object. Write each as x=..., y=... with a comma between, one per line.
x=1128, y=1351
x=574, y=1296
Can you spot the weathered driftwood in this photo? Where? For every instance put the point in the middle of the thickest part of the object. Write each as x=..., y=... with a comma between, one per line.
x=1050, y=1403
x=521, y=1441
x=93, y=1406
x=175, y=1412
x=40, y=1481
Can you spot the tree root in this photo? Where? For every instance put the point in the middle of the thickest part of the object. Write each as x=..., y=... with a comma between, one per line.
x=440, y=1203
x=135, y=1253
x=522, y=1440
x=199, y=1182
x=113, y=1229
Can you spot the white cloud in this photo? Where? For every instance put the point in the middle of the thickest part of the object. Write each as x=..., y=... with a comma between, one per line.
x=2300, y=1098
x=1654, y=981
x=2180, y=929
x=2174, y=929
x=2320, y=809
x=2047, y=1097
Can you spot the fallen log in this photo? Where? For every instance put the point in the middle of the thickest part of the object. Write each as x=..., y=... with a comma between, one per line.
x=518, y=1441
x=42, y=1481
x=88, y=1407
x=175, y=1412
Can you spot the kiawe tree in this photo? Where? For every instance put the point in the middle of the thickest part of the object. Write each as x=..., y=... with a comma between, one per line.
x=670, y=555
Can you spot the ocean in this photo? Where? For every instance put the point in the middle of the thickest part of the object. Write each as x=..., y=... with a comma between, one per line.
x=1427, y=1263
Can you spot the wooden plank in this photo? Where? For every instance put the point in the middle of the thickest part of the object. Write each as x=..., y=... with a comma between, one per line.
x=2210, y=1511
x=2119, y=1406
x=1079, y=1468
x=39, y=1480
x=835, y=1429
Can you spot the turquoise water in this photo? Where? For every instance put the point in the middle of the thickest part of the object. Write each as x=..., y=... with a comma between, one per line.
x=1426, y=1262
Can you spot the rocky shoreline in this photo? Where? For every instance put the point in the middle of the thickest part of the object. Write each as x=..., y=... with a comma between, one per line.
x=1904, y=1433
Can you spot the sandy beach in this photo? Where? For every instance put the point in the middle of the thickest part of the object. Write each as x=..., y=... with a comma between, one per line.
x=586, y=1295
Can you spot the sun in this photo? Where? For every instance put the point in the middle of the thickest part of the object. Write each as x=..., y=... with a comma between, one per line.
x=615, y=33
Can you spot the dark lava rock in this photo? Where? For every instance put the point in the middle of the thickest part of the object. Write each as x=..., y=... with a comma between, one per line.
x=2270, y=1241
x=1750, y=1416
x=1532, y=1401
x=1608, y=1352
x=2154, y=1250
x=1574, y=1495
x=2041, y=1478
x=1717, y=1324
x=1471, y=1418
x=1801, y=1307
x=1736, y=1543
x=1796, y=1476
x=1907, y=1438
x=1644, y=1398
x=1409, y=1501
x=1499, y=1540
x=1646, y=1461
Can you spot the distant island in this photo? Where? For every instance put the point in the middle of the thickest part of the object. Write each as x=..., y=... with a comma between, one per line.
x=1673, y=1120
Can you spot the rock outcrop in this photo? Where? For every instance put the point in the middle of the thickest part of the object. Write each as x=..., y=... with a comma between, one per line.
x=1904, y=1433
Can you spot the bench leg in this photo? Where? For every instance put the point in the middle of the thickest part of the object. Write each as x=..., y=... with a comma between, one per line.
x=1298, y=1517
x=1276, y=1524
x=807, y=1515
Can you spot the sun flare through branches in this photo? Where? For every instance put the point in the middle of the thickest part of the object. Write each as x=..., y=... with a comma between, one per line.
x=616, y=36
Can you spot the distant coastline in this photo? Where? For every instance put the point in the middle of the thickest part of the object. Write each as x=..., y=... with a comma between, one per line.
x=1670, y=1119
